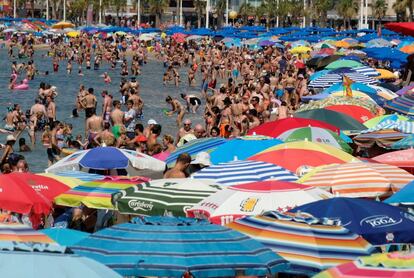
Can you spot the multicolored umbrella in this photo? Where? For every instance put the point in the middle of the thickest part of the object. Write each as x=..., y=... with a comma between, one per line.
x=315, y=134
x=275, y=128
x=168, y=197
x=358, y=113
x=63, y=25
x=16, y=232
x=238, y=201
x=329, y=79
x=193, y=147
x=404, y=143
x=383, y=138
x=379, y=119
x=398, y=265
x=309, y=244
x=403, y=104
x=340, y=120
x=311, y=155
x=403, y=197
x=171, y=247
x=239, y=172
x=376, y=222
x=359, y=179
x=341, y=100
x=96, y=194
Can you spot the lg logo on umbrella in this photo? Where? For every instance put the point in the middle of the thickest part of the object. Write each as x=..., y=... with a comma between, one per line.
x=380, y=221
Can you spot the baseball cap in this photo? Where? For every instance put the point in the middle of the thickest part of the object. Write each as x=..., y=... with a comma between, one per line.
x=202, y=158
x=152, y=122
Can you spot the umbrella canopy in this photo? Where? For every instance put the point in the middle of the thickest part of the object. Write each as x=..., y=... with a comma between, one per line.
x=171, y=247
x=404, y=143
x=242, y=200
x=376, y=222
x=403, y=197
x=385, y=74
x=406, y=28
x=379, y=119
x=359, y=179
x=300, y=50
x=16, y=232
x=403, y=104
x=364, y=102
x=398, y=265
x=73, y=34
x=163, y=197
x=239, y=172
x=358, y=113
x=383, y=138
x=63, y=25
x=106, y=158
x=194, y=147
x=305, y=241
x=311, y=155
x=329, y=79
x=63, y=236
x=344, y=64
x=401, y=159
x=71, y=182
x=242, y=148
x=315, y=134
x=340, y=120
x=275, y=128
x=96, y=194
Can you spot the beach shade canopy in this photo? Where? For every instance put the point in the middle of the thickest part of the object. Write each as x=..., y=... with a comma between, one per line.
x=376, y=222
x=97, y=194
x=401, y=159
x=242, y=200
x=163, y=197
x=307, y=243
x=405, y=28
x=384, y=118
x=63, y=25
x=403, y=104
x=275, y=128
x=329, y=79
x=339, y=87
x=63, y=236
x=344, y=64
x=106, y=158
x=242, y=148
x=172, y=247
x=359, y=179
x=321, y=62
x=385, y=74
x=403, y=197
x=404, y=143
x=311, y=154
x=397, y=265
x=358, y=113
x=194, y=147
x=244, y=171
x=364, y=101
x=71, y=182
x=19, y=233
x=340, y=120
x=315, y=134
x=385, y=138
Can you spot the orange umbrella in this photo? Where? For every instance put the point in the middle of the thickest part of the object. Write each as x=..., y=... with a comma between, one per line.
x=408, y=49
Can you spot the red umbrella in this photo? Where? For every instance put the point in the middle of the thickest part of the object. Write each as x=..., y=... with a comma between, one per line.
x=406, y=28
x=359, y=113
x=275, y=128
x=403, y=159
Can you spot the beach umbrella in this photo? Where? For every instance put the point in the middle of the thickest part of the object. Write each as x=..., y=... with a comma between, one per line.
x=311, y=154
x=275, y=128
x=385, y=74
x=385, y=93
x=194, y=147
x=329, y=79
x=63, y=236
x=73, y=34
x=358, y=179
x=406, y=89
x=379, y=42
x=173, y=247
x=300, y=50
x=403, y=159
x=383, y=138
x=404, y=143
x=376, y=222
x=241, y=148
x=96, y=194
x=368, y=71
x=170, y=197
x=71, y=182
x=403, y=104
x=315, y=134
x=20, y=233
x=239, y=172
x=343, y=64
x=307, y=243
x=106, y=158
x=358, y=113
x=405, y=196
x=241, y=200
x=340, y=120
x=63, y=25
x=409, y=49
x=380, y=119
x=378, y=265
x=342, y=44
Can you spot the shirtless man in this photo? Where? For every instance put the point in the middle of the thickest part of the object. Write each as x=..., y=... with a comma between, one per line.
x=176, y=107
x=105, y=137
x=153, y=136
x=178, y=171
x=89, y=102
x=137, y=102
x=106, y=106
x=117, y=118
x=186, y=129
x=79, y=103
x=50, y=110
x=93, y=127
x=37, y=113
x=193, y=102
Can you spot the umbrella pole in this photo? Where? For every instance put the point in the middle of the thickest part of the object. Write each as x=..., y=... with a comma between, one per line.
x=47, y=9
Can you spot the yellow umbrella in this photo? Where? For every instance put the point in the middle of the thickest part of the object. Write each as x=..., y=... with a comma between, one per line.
x=342, y=44
x=71, y=182
x=120, y=33
x=73, y=34
x=385, y=74
x=300, y=49
x=63, y=25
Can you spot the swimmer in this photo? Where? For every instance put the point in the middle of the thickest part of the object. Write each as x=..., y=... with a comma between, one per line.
x=193, y=102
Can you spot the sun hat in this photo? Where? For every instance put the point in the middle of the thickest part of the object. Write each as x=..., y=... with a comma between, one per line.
x=152, y=122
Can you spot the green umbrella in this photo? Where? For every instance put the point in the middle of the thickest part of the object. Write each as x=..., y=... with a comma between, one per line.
x=163, y=197
x=315, y=134
x=343, y=64
x=340, y=120
x=340, y=100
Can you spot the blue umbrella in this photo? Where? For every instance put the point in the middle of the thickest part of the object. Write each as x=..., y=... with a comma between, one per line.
x=377, y=222
x=104, y=158
x=167, y=246
x=241, y=149
x=65, y=237
x=405, y=143
x=354, y=86
x=405, y=196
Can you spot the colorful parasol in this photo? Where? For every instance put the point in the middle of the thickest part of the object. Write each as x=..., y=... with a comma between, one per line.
x=309, y=244
x=383, y=138
x=404, y=143
x=404, y=197
x=341, y=100
x=359, y=179
x=402, y=159
x=344, y=64
x=238, y=201
x=379, y=119
x=63, y=25
x=403, y=104
x=17, y=232
x=385, y=74
x=359, y=113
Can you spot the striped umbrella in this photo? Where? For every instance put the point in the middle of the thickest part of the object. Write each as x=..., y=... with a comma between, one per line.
x=21, y=233
x=176, y=247
x=403, y=104
x=96, y=194
x=194, y=147
x=359, y=179
x=315, y=134
x=78, y=175
x=396, y=265
x=238, y=201
x=329, y=79
x=367, y=71
x=383, y=138
x=163, y=197
x=309, y=244
x=379, y=119
x=238, y=172
x=402, y=159
x=358, y=113
x=404, y=143
x=341, y=100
